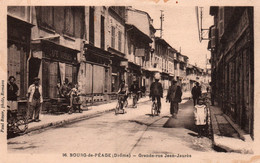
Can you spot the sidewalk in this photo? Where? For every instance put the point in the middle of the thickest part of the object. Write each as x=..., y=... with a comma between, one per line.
x=227, y=135
x=49, y=120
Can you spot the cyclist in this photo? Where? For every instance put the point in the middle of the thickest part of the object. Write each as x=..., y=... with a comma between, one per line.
x=123, y=90
x=156, y=90
x=135, y=90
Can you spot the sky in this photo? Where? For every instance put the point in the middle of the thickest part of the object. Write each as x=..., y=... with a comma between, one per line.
x=180, y=29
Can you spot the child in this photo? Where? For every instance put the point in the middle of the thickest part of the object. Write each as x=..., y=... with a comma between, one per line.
x=200, y=114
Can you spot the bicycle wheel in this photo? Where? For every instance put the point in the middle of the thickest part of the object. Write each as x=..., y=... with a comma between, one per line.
x=21, y=125
x=126, y=104
x=117, y=108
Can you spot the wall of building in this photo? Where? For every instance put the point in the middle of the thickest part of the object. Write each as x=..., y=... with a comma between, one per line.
x=140, y=20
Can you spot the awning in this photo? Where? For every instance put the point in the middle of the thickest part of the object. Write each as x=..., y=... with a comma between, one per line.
x=114, y=54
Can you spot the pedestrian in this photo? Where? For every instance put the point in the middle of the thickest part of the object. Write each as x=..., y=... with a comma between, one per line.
x=35, y=100
x=64, y=89
x=174, y=97
x=74, y=98
x=156, y=90
x=12, y=94
x=196, y=93
x=143, y=91
x=200, y=116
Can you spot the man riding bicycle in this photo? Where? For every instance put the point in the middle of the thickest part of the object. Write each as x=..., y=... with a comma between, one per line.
x=123, y=90
x=156, y=90
x=135, y=90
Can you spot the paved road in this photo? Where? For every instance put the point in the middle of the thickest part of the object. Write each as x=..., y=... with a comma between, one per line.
x=134, y=132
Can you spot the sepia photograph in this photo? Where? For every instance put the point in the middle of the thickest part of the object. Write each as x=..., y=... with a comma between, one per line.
x=136, y=83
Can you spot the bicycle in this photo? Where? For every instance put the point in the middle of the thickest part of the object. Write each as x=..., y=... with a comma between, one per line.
x=135, y=98
x=155, y=108
x=121, y=103
x=16, y=122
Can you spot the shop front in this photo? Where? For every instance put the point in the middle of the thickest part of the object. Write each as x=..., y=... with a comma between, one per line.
x=94, y=75
x=52, y=63
x=147, y=79
x=134, y=74
x=118, y=73
x=18, y=50
x=165, y=80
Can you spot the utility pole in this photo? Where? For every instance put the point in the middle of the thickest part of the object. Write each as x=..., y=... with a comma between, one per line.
x=161, y=27
x=162, y=19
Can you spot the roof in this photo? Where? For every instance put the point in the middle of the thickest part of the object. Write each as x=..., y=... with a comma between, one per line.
x=140, y=11
x=134, y=28
x=163, y=42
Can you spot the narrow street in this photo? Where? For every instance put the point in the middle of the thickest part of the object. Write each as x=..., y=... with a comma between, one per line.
x=134, y=132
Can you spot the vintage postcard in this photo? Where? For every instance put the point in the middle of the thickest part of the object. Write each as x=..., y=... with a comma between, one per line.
x=139, y=81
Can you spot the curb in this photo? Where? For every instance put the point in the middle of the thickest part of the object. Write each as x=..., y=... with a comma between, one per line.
x=71, y=120
x=67, y=121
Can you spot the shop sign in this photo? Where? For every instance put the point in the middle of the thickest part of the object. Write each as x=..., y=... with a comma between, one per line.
x=139, y=52
x=124, y=63
x=60, y=55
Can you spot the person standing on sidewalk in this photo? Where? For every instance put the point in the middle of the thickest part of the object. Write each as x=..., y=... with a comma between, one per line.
x=12, y=94
x=12, y=91
x=196, y=93
x=156, y=90
x=174, y=97
x=35, y=100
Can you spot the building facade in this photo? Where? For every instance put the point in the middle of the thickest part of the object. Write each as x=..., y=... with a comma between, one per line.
x=52, y=46
x=139, y=38
x=232, y=60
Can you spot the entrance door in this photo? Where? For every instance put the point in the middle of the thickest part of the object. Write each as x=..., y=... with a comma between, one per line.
x=98, y=79
x=16, y=66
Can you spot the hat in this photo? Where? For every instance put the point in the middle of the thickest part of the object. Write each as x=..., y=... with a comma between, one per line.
x=36, y=79
x=157, y=76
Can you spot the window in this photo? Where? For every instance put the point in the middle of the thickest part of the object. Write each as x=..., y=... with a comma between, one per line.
x=129, y=45
x=175, y=65
x=119, y=40
x=113, y=37
x=91, y=25
x=102, y=32
x=221, y=21
x=69, y=21
x=46, y=16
